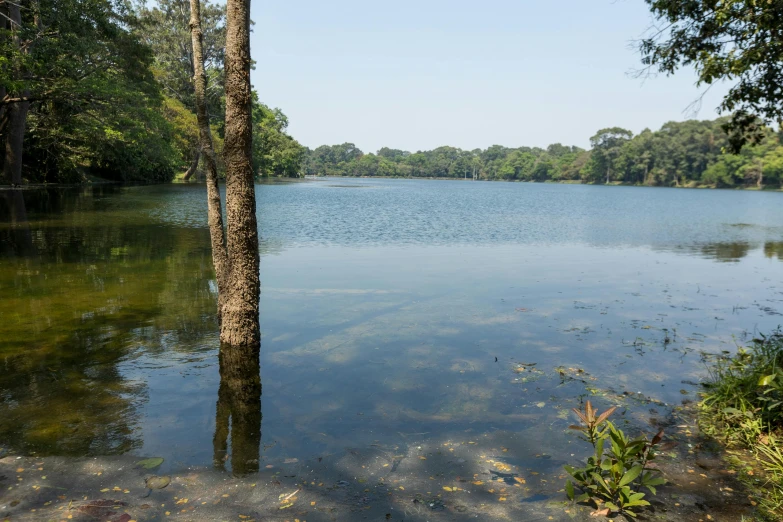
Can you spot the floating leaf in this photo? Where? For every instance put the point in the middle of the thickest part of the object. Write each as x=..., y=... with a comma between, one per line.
x=156, y=482
x=446, y=488
x=150, y=463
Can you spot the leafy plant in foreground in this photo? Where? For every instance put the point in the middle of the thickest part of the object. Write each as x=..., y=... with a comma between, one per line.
x=613, y=477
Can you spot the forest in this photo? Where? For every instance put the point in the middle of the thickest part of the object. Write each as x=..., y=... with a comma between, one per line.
x=103, y=89
x=681, y=154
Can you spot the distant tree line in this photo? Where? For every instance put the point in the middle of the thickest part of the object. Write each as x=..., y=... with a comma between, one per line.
x=689, y=153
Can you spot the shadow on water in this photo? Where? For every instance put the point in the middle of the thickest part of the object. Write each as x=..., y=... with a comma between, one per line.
x=238, y=418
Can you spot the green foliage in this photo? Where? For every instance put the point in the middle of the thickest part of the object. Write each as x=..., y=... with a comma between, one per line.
x=744, y=396
x=734, y=40
x=112, y=92
x=690, y=153
x=166, y=30
x=743, y=406
x=95, y=102
x=614, y=475
x=275, y=153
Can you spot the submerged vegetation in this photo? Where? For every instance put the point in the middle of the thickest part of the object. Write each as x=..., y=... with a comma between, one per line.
x=742, y=407
x=690, y=153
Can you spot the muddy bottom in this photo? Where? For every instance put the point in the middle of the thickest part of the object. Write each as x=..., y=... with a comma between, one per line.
x=486, y=477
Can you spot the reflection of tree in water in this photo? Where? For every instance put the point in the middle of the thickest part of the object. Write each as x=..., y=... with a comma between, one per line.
x=726, y=252
x=238, y=410
x=84, y=290
x=15, y=237
x=774, y=249
x=730, y=251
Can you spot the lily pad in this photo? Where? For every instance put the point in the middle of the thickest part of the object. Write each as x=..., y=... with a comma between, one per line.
x=153, y=462
x=156, y=482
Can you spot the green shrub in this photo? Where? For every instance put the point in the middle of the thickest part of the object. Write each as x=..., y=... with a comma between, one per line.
x=613, y=478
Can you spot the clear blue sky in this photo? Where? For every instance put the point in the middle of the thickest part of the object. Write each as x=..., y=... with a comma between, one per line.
x=419, y=74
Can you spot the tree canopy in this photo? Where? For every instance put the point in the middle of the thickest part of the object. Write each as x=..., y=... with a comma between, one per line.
x=107, y=91
x=689, y=153
x=739, y=41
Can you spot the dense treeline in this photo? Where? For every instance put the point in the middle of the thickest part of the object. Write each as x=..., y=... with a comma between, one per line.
x=104, y=88
x=690, y=153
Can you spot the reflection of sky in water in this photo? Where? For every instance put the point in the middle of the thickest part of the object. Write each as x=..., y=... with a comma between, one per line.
x=383, y=310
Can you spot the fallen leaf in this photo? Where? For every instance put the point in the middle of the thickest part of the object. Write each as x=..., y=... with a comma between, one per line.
x=601, y=512
x=155, y=482
x=150, y=463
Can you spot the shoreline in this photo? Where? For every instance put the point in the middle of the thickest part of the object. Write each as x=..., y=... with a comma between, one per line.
x=561, y=182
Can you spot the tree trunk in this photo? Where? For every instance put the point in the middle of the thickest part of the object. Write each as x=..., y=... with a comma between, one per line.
x=239, y=325
x=235, y=252
x=17, y=115
x=214, y=210
x=760, y=181
x=3, y=26
x=197, y=155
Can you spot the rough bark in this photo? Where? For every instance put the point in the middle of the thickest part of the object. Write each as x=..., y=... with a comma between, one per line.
x=214, y=210
x=238, y=410
x=193, y=165
x=239, y=322
x=17, y=116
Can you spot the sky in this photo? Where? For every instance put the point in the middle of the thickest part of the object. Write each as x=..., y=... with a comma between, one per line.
x=415, y=75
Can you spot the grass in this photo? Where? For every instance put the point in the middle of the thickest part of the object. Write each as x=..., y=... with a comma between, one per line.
x=742, y=407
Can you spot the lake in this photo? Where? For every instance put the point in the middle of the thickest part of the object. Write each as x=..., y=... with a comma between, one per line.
x=393, y=312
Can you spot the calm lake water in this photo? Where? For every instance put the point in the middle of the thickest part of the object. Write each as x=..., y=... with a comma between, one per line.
x=391, y=310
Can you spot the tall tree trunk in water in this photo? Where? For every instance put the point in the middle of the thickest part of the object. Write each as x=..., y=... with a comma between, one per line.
x=235, y=253
x=240, y=311
x=196, y=156
x=17, y=113
x=214, y=210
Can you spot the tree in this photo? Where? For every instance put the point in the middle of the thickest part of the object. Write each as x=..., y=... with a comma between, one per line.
x=17, y=113
x=80, y=94
x=168, y=32
x=275, y=153
x=214, y=210
x=735, y=40
x=239, y=312
x=606, y=145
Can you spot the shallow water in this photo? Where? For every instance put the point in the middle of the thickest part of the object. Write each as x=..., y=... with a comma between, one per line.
x=392, y=311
